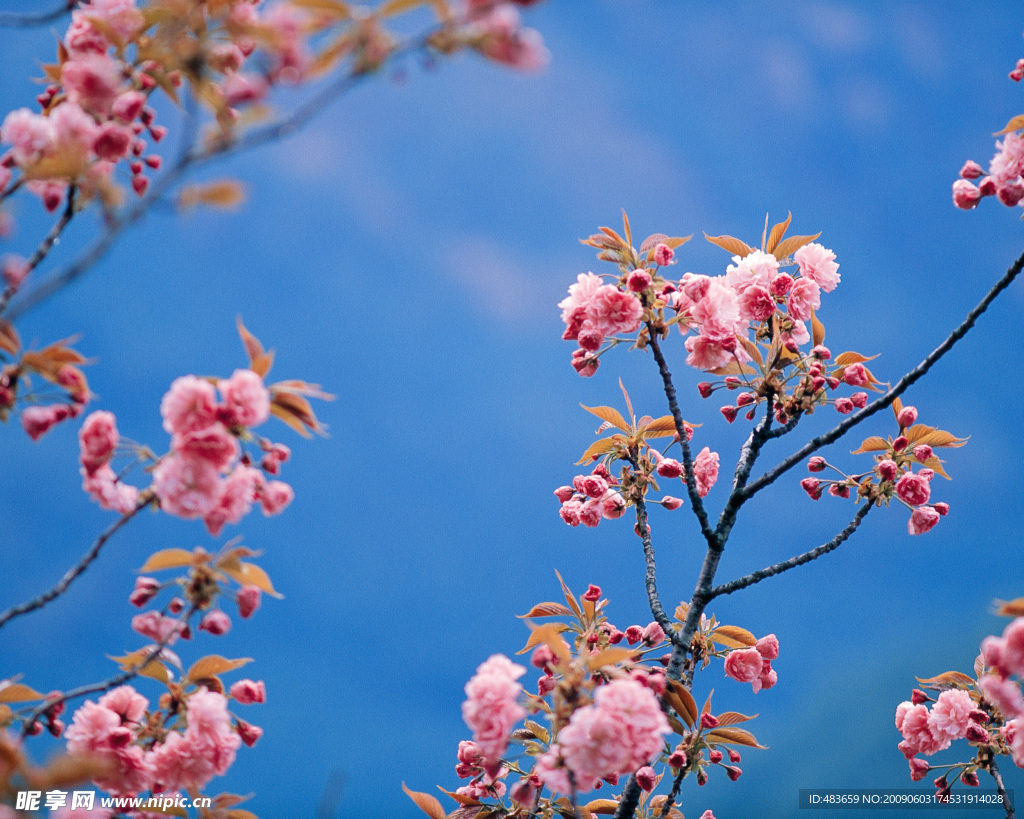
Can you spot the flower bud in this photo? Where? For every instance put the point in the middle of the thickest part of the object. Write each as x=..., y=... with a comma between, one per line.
x=729, y=413
x=634, y=634
x=970, y=779
x=646, y=778
x=249, y=692
x=733, y=772
x=715, y=756
x=812, y=486
x=887, y=470
x=709, y=721
x=971, y=170
x=639, y=280
x=653, y=634
x=923, y=452
x=965, y=194
x=734, y=756
x=678, y=759
x=593, y=593
x=907, y=417
x=669, y=468
x=918, y=697
x=663, y=254
x=900, y=443
x=671, y=503
x=216, y=622
x=918, y=768
x=816, y=464
x=250, y=734
x=705, y=389
x=248, y=600
x=975, y=733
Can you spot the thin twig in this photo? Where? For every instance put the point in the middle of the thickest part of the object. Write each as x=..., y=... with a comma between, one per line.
x=72, y=574
x=660, y=617
x=44, y=248
x=188, y=160
x=998, y=777
x=691, y=481
x=12, y=19
x=112, y=682
x=677, y=785
x=793, y=562
x=886, y=400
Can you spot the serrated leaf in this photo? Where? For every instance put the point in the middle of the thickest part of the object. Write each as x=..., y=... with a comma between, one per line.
x=610, y=656
x=732, y=718
x=168, y=559
x=547, y=610
x=603, y=807
x=426, y=803
x=936, y=438
x=626, y=229
x=752, y=349
x=9, y=341
x=735, y=246
x=678, y=241
x=569, y=597
x=539, y=731
x=214, y=664
x=846, y=359
x=733, y=637
x=249, y=574
x=871, y=444
x=682, y=701
x=733, y=736
x=817, y=330
x=226, y=194
x=18, y=692
x=1012, y=608
x=934, y=464
x=1015, y=124
x=260, y=361
x=609, y=414
x=549, y=635
x=653, y=241
x=787, y=247
x=953, y=679
x=461, y=798
x=778, y=231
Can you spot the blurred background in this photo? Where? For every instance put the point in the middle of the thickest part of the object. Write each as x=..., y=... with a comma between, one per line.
x=407, y=251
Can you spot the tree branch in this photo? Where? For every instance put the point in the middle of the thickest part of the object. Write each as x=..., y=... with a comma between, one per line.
x=112, y=682
x=677, y=785
x=72, y=574
x=189, y=159
x=650, y=579
x=793, y=562
x=691, y=482
x=44, y=247
x=886, y=400
x=12, y=19
x=998, y=777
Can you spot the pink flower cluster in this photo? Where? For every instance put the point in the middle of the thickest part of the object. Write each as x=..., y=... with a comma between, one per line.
x=953, y=716
x=721, y=309
x=116, y=729
x=754, y=665
x=492, y=708
x=705, y=469
x=494, y=28
x=1004, y=179
x=205, y=475
x=472, y=764
x=1004, y=658
x=98, y=440
x=622, y=730
x=591, y=498
x=594, y=311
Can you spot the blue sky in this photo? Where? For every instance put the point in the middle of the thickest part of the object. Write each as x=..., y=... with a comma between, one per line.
x=407, y=252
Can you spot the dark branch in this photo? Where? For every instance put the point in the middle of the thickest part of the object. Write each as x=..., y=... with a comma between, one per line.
x=45, y=246
x=112, y=682
x=71, y=575
x=190, y=159
x=793, y=562
x=998, y=777
x=691, y=482
x=886, y=400
x=12, y=19
x=660, y=617
x=677, y=785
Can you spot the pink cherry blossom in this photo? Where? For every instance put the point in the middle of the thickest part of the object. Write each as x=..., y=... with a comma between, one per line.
x=951, y=713
x=108, y=491
x=804, y=299
x=705, y=470
x=246, y=399
x=187, y=487
x=757, y=268
x=922, y=520
x=913, y=489
x=249, y=692
x=189, y=405
x=97, y=440
x=206, y=749
x=276, y=495
x=492, y=708
x=818, y=264
x=744, y=665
